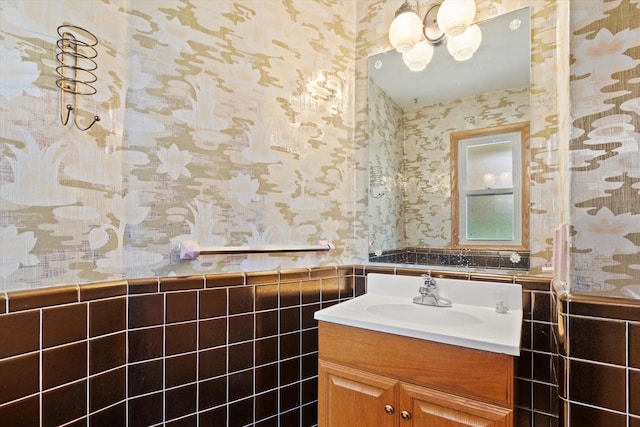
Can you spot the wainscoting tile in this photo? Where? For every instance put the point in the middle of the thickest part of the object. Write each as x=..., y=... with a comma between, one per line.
x=56, y=368
x=107, y=316
x=145, y=344
x=20, y=377
x=231, y=279
x=64, y=404
x=181, y=338
x=180, y=369
x=598, y=385
x=213, y=332
x=180, y=401
x=181, y=306
x=266, y=350
x=101, y=290
x=634, y=392
x=145, y=377
x=240, y=356
x=145, y=410
x=64, y=324
x=19, y=333
x=107, y=352
x=146, y=310
x=212, y=363
x=241, y=412
x=45, y=297
x=107, y=389
x=181, y=283
x=266, y=405
x=266, y=297
x=266, y=323
x=266, y=377
x=213, y=303
x=598, y=340
x=240, y=385
x=212, y=393
x=25, y=412
x=241, y=299
x=634, y=345
x=588, y=416
x=241, y=328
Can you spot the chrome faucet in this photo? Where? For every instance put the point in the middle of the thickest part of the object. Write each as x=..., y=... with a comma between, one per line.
x=429, y=293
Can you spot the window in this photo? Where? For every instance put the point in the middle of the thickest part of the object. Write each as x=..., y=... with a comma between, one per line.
x=490, y=187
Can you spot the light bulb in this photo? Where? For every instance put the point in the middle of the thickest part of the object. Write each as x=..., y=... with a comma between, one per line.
x=454, y=16
x=465, y=45
x=505, y=179
x=489, y=180
x=405, y=31
x=418, y=57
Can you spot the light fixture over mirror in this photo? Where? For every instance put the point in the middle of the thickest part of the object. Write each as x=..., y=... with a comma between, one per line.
x=447, y=21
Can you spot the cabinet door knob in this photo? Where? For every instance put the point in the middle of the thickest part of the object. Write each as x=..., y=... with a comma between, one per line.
x=389, y=409
x=406, y=415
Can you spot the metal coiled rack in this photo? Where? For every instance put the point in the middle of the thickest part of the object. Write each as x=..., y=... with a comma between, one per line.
x=76, y=54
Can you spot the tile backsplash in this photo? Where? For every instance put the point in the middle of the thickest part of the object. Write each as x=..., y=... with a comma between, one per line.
x=224, y=349
x=464, y=258
x=241, y=347
x=599, y=360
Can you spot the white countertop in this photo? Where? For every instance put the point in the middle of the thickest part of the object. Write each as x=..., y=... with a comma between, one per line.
x=471, y=322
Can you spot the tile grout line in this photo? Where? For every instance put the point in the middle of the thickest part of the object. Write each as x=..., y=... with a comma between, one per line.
x=627, y=374
x=126, y=357
x=40, y=354
x=164, y=355
x=88, y=313
x=197, y=378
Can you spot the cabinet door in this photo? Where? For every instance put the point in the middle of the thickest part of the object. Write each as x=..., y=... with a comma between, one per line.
x=431, y=408
x=349, y=397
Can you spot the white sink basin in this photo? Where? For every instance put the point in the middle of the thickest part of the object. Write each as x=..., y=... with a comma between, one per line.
x=471, y=322
x=423, y=314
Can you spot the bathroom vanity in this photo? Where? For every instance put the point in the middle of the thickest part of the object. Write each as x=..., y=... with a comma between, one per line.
x=384, y=363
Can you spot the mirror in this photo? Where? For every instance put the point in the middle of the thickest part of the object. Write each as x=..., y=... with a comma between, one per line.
x=411, y=115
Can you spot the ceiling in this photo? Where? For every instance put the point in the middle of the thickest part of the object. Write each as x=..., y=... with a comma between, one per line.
x=501, y=62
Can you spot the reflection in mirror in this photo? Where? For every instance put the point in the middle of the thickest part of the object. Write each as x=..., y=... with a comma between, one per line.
x=411, y=115
x=489, y=187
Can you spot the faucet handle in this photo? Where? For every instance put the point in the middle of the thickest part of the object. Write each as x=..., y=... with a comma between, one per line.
x=501, y=307
x=428, y=280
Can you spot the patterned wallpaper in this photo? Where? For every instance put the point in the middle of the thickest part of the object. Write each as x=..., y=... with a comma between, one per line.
x=237, y=122
x=226, y=122
x=604, y=147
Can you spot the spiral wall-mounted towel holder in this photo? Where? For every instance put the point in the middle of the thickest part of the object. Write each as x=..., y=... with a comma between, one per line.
x=76, y=54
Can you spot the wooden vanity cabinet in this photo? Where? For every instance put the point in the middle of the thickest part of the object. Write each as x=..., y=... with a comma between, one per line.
x=368, y=378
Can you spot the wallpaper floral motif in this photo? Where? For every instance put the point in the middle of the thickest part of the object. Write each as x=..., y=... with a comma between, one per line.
x=605, y=138
x=226, y=122
x=237, y=122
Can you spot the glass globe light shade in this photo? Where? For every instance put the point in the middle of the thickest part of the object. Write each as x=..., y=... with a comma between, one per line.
x=418, y=57
x=489, y=180
x=465, y=45
x=454, y=16
x=506, y=179
x=405, y=31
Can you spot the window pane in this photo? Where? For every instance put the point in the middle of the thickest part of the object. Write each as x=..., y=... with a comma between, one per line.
x=490, y=217
x=489, y=165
